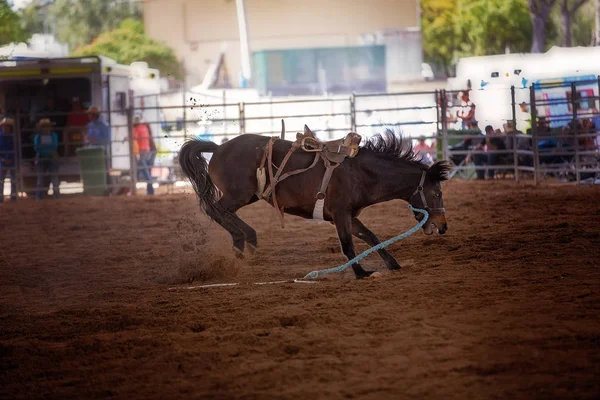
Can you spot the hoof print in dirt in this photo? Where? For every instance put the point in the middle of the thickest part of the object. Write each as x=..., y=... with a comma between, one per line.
x=291, y=350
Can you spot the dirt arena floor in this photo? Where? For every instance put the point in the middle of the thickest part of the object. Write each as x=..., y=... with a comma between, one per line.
x=505, y=305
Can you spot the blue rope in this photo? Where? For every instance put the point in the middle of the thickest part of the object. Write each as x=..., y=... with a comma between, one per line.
x=380, y=246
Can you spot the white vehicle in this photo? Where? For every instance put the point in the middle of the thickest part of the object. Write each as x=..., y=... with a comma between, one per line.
x=491, y=77
x=27, y=84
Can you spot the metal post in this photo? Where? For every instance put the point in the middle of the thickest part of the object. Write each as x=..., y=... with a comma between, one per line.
x=598, y=78
x=270, y=94
x=20, y=180
x=438, y=101
x=536, y=160
x=224, y=113
x=132, y=160
x=18, y=152
x=513, y=105
x=244, y=41
x=575, y=103
x=353, y=112
x=184, y=91
x=242, y=118
x=444, y=104
x=514, y=132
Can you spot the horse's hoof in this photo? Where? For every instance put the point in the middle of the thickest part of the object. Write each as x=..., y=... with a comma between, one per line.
x=251, y=248
x=238, y=253
x=375, y=275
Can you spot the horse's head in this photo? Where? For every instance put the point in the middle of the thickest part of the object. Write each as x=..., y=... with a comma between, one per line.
x=428, y=196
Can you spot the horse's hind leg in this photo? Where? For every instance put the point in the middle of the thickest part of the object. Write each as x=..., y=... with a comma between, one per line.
x=249, y=232
x=227, y=220
x=362, y=232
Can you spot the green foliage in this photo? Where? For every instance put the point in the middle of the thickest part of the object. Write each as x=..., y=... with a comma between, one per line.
x=76, y=22
x=10, y=25
x=440, y=40
x=463, y=28
x=582, y=24
x=32, y=18
x=128, y=43
x=489, y=26
x=583, y=28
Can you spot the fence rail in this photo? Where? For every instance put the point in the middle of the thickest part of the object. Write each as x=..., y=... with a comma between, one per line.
x=570, y=150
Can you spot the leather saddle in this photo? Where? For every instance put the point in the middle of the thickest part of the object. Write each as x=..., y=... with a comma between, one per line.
x=334, y=151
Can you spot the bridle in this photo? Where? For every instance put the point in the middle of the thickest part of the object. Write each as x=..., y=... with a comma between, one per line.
x=423, y=199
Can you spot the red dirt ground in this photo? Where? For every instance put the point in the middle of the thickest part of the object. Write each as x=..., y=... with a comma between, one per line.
x=504, y=306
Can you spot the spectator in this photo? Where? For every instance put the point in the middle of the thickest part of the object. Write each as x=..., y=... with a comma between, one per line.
x=493, y=143
x=588, y=127
x=98, y=131
x=45, y=144
x=467, y=144
x=7, y=158
x=59, y=120
x=425, y=150
x=76, y=121
x=523, y=117
x=466, y=112
x=141, y=136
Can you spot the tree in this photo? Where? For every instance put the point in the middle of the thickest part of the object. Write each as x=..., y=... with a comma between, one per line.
x=76, y=22
x=581, y=26
x=568, y=8
x=597, y=23
x=10, y=25
x=33, y=17
x=491, y=26
x=440, y=40
x=128, y=43
x=539, y=11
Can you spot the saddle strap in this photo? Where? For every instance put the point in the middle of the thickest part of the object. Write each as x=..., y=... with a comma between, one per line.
x=274, y=180
x=320, y=203
x=272, y=186
x=267, y=192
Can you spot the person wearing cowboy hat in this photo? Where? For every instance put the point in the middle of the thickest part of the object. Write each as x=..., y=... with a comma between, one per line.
x=98, y=131
x=7, y=158
x=45, y=143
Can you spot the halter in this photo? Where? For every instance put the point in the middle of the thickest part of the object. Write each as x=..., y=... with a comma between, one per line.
x=423, y=199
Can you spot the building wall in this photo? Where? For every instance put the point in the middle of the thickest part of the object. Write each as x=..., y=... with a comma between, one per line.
x=196, y=29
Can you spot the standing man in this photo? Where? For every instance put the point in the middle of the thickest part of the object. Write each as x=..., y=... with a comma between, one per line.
x=98, y=134
x=45, y=144
x=98, y=131
x=7, y=158
x=141, y=135
x=466, y=113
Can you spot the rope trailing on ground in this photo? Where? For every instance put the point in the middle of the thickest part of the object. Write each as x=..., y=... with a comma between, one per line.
x=316, y=274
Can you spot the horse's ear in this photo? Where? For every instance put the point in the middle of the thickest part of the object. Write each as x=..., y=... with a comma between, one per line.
x=307, y=130
x=439, y=171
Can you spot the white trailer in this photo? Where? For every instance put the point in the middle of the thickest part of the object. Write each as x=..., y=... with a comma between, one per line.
x=26, y=85
x=491, y=77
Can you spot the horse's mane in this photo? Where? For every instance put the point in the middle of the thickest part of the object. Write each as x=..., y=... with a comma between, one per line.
x=391, y=146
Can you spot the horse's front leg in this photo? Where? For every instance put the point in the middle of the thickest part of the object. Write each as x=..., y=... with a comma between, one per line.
x=343, y=224
x=363, y=233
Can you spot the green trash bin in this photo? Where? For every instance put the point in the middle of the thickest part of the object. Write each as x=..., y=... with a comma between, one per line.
x=92, y=162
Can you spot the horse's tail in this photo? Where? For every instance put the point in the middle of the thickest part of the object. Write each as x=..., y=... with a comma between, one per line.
x=195, y=167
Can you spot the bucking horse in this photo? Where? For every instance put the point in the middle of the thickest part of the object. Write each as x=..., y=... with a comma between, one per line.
x=333, y=181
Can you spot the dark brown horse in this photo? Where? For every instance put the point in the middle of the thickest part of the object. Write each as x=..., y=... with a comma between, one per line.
x=385, y=168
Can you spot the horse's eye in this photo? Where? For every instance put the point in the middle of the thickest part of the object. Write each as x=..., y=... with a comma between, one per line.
x=438, y=195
